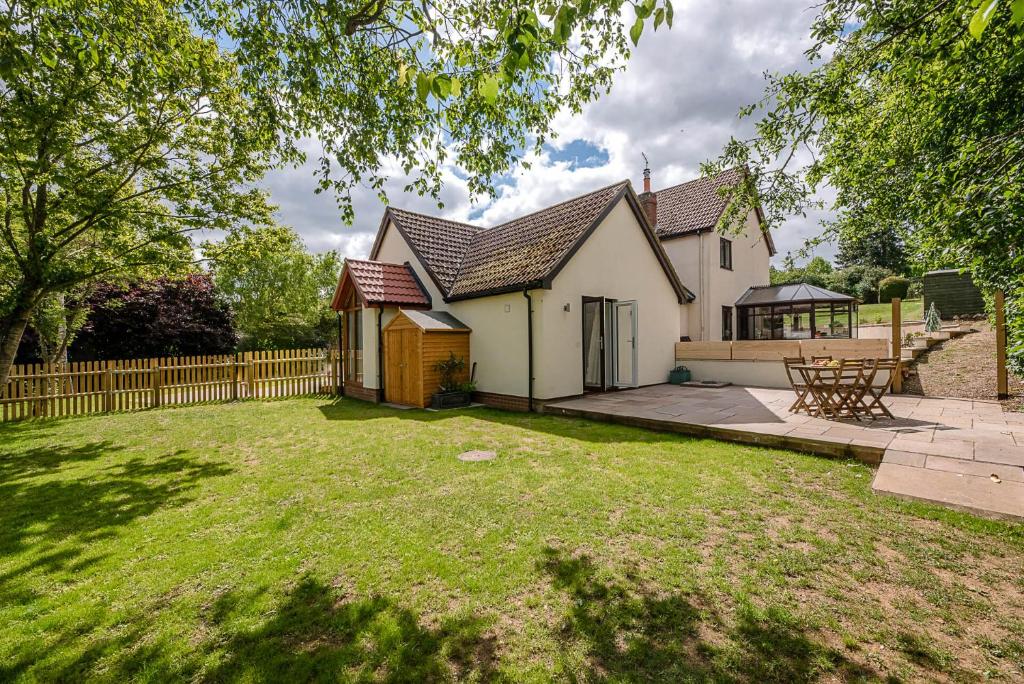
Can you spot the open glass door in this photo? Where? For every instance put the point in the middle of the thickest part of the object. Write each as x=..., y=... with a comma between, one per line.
x=593, y=343
x=624, y=337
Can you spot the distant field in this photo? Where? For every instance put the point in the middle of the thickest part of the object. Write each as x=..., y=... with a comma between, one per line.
x=910, y=310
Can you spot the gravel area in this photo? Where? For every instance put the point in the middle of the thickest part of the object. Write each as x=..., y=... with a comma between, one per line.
x=964, y=368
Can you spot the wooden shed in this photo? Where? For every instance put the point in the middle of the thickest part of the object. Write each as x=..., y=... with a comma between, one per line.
x=413, y=342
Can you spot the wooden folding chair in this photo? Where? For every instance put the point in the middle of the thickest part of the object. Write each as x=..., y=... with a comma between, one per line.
x=848, y=388
x=799, y=386
x=858, y=389
x=877, y=390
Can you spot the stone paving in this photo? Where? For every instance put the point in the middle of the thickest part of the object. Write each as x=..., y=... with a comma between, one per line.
x=963, y=453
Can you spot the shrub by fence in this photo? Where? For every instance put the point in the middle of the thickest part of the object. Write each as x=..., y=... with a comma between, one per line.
x=83, y=387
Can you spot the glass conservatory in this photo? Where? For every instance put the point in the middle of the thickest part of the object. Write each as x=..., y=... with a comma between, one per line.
x=795, y=312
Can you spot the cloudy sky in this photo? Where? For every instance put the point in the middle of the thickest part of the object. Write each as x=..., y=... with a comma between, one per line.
x=676, y=101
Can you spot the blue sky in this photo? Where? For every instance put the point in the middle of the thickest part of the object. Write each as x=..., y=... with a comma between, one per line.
x=676, y=101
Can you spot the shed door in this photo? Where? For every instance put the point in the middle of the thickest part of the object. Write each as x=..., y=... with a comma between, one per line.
x=402, y=367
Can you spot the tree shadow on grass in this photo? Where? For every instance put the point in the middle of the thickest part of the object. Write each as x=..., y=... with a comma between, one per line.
x=316, y=635
x=629, y=633
x=313, y=634
x=51, y=518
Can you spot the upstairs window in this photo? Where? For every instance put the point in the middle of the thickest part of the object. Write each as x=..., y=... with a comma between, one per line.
x=725, y=253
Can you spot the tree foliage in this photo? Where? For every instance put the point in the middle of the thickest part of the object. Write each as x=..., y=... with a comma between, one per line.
x=913, y=113
x=122, y=132
x=279, y=292
x=161, y=317
x=420, y=83
x=880, y=246
x=814, y=272
x=127, y=124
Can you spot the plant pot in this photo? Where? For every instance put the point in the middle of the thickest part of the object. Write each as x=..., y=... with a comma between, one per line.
x=452, y=399
x=678, y=377
x=920, y=343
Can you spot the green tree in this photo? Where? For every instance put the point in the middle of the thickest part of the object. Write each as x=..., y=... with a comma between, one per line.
x=137, y=121
x=873, y=246
x=280, y=293
x=122, y=131
x=913, y=113
x=814, y=272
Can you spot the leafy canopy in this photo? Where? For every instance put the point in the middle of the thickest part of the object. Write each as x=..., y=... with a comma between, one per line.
x=913, y=113
x=410, y=85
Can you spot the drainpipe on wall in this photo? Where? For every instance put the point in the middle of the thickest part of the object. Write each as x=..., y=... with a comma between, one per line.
x=380, y=354
x=529, y=347
x=700, y=284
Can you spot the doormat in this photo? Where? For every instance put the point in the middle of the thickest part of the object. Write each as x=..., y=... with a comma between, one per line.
x=712, y=384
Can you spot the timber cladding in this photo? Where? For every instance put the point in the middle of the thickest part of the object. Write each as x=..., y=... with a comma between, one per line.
x=776, y=350
x=414, y=342
x=953, y=293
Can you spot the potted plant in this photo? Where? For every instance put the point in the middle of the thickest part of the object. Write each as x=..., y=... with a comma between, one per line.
x=451, y=394
x=679, y=375
x=919, y=341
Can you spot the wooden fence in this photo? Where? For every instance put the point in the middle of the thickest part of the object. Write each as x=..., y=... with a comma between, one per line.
x=82, y=387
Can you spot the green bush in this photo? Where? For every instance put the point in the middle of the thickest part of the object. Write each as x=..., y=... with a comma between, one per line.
x=857, y=281
x=893, y=286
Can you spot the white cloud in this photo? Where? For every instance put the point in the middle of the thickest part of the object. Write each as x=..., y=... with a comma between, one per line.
x=677, y=102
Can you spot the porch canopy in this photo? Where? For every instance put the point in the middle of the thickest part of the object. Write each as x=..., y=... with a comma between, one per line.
x=798, y=311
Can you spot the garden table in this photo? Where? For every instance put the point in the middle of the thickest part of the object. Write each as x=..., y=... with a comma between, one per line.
x=838, y=391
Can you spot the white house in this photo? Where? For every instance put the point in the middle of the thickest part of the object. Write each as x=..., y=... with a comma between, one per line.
x=581, y=296
x=718, y=268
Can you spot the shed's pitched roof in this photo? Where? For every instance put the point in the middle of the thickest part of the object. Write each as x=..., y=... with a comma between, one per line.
x=795, y=293
x=466, y=261
x=379, y=283
x=435, y=321
x=696, y=206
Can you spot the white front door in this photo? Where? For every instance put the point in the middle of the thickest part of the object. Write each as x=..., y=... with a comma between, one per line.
x=624, y=354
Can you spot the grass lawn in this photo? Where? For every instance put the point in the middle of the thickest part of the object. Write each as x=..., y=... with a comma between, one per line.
x=910, y=310
x=334, y=540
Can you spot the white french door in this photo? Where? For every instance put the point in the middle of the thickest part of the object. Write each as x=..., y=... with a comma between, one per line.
x=624, y=347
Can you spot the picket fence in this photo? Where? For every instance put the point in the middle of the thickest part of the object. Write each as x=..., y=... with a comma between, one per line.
x=83, y=387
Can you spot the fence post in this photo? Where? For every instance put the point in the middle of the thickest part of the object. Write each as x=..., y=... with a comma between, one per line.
x=897, y=344
x=234, y=377
x=250, y=370
x=1002, y=379
x=155, y=381
x=108, y=387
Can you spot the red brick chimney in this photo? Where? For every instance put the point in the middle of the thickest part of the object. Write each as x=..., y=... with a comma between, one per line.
x=648, y=199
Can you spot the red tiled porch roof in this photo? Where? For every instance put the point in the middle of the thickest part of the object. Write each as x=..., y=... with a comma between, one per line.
x=379, y=284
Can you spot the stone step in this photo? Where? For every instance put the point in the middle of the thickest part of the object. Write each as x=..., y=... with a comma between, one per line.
x=956, y=483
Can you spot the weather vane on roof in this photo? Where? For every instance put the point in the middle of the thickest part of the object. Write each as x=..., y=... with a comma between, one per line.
x=647, y=166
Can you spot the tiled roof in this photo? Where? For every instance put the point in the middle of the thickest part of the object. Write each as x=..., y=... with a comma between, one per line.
x=693, y=206
x=382, y=283
x=527, y=249
x=441, y=243
x=470, y=261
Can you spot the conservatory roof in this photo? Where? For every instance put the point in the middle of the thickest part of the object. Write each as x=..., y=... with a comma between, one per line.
x=794, y=293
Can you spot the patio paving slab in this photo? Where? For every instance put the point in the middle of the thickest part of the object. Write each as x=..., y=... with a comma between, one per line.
x=940, y=450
